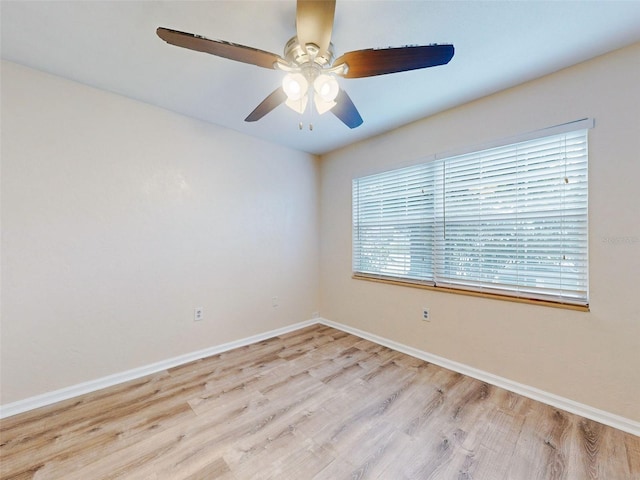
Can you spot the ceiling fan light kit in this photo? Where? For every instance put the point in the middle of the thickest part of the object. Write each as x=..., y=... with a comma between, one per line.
x=309, y=63
x=324, y=92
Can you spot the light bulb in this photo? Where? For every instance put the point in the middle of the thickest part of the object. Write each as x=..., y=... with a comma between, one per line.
x=326, y=86
x=295, y=86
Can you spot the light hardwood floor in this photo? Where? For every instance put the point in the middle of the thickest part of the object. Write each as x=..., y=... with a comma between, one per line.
x=314, y=404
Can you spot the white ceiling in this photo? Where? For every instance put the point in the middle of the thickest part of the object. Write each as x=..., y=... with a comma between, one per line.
x=112, y=45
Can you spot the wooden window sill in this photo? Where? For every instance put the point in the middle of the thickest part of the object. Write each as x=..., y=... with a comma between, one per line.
x=459, y=291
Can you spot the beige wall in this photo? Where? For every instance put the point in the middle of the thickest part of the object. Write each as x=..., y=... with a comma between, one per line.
x=592, y=358
x=118, y=218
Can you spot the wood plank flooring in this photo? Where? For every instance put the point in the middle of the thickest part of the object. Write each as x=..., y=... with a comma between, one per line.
x=314, y=404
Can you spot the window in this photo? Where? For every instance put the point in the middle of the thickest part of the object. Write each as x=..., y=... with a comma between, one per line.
x=509, y=220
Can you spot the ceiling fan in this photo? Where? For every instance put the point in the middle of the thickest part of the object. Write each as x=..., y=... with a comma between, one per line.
x=310, y=66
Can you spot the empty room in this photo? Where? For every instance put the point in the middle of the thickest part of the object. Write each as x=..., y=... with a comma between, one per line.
x=320, y=240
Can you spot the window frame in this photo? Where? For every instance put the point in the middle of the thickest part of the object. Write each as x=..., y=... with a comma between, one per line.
x=484, y=290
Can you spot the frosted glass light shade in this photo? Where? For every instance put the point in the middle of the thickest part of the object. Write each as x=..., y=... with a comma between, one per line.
x=326, y=87
x=299, y=105
x=322, y=106
x=295, y=86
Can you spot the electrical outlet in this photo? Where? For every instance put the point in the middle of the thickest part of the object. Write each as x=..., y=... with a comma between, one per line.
x=426, y=315
x=198, y=314
x=274, y=302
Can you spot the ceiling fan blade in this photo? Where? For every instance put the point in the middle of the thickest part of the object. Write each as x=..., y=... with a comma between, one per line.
x=272, y=101
x=371, y=62
x=232, y=51
x=346, y=111
x=314, y=22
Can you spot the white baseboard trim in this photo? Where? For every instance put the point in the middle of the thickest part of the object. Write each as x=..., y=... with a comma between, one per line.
x=56, y=396
x=562, y=403
x=606, y=418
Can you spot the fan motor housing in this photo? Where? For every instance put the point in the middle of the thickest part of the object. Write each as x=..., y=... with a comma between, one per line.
x=299, y=55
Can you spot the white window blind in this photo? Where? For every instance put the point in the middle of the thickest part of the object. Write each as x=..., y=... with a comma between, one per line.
x=393, y=218
x=510, y=220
